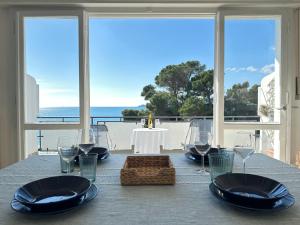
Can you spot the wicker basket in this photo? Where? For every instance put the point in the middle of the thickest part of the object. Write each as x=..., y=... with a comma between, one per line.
x=142, y=170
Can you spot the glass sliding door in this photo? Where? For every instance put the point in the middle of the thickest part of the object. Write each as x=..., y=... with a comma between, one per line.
x=50, y=98
x=252, y=70
x=51, y=79
x=254, y=92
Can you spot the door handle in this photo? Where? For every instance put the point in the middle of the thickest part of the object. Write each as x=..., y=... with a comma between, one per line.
x=284, y=108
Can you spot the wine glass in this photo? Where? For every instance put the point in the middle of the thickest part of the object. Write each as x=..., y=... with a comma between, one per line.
x=202, y=142
x=244, y=146
x=67, y=148
x=90, y=143
x=143, y=122
x=157, y=122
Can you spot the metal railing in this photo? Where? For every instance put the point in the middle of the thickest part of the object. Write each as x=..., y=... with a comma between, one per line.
x=96, y=119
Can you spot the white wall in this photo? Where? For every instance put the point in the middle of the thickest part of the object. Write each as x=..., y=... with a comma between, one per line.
x=31, y=112
x=295, y=131
x=8, y=110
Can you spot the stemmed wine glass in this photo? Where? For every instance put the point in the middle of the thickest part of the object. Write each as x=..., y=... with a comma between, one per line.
x=67, y=148
x=143, y=121
x=89, y=144
x=202, y=142
x=244, y=147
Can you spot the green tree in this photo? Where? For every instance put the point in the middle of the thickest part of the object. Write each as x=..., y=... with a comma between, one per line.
x=176, y=78
x=252, y=95
x=202, y=85
x=193, y=106
x=163, y=104
x=240, y=100
x=179, y=82
x=148, y=91
x=187, y=89
x=128, y=113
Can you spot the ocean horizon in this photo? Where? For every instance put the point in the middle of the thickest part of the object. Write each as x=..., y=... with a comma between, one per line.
x=95, y=111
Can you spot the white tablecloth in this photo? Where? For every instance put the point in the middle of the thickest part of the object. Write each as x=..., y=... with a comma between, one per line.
x=148, y=141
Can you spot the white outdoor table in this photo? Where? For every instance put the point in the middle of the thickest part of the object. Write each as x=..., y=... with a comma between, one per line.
x=148, y=141
x=188, y=202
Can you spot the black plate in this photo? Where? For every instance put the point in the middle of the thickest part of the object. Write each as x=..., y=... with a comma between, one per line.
x=102, y=153
x=250, y=188
x=53, y=192
x=192, y=154
x=19, y=207
x=100, y=158
x=283, y=203
x=192, y=157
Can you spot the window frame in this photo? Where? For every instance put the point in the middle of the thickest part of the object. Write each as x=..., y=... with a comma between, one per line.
x=83, y=74
x=287, y=69
x=83, y=15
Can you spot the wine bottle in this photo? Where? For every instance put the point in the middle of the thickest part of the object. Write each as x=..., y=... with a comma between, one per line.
x=150, y=124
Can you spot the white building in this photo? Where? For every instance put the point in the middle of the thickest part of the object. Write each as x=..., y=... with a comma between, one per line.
x=31, y=112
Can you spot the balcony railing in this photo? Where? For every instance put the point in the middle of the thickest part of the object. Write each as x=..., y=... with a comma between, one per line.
x=103, y=119
x=120, y=128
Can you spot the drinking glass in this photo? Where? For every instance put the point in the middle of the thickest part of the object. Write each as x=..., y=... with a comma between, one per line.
x=88, y=165
x=243, y=146
x=220, y=163
x=67, y=148
x=202, y=142
x=90, y=143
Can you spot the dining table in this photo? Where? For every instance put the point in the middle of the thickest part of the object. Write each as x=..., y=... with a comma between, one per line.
x=148, y=140
x=189, y=201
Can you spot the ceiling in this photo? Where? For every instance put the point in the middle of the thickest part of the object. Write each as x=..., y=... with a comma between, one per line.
x=154, y=3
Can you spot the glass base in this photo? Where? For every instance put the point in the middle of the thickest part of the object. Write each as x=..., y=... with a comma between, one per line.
x=203, y=172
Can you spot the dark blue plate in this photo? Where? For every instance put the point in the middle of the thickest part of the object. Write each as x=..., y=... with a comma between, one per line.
x=282, y=203
x=19, y=207
x=103, y=153
x=192, y=157
x=53, y=192
x=192, y=154
x=250, y=188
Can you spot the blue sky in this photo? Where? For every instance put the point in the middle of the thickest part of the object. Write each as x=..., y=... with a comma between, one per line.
x=126, y=55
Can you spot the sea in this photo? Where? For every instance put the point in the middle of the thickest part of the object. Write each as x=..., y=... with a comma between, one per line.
x=59, y=112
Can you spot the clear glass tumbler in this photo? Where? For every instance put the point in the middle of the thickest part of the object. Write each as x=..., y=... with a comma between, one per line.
x=220, y=163
x=88, y=165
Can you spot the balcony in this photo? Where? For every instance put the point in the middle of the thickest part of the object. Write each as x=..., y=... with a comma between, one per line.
x=120, y=131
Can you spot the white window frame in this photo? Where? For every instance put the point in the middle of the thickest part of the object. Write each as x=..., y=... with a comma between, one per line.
x=83, y=74
x=287, y=69
x=157, y=12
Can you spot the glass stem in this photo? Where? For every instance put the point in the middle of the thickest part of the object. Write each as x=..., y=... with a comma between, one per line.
x=69, y=167
x=244, y=166
x=203, y=168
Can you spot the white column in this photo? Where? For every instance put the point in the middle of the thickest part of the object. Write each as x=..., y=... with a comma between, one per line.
x=84, y=84
x=219, y=81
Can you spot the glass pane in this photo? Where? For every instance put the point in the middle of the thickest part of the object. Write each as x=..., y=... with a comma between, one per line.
x=45, y=141
x=162, y=66
x=51, y=69
x=263, y=141
x=252, y=69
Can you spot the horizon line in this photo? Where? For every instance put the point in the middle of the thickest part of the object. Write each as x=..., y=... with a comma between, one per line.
x=90, y=106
